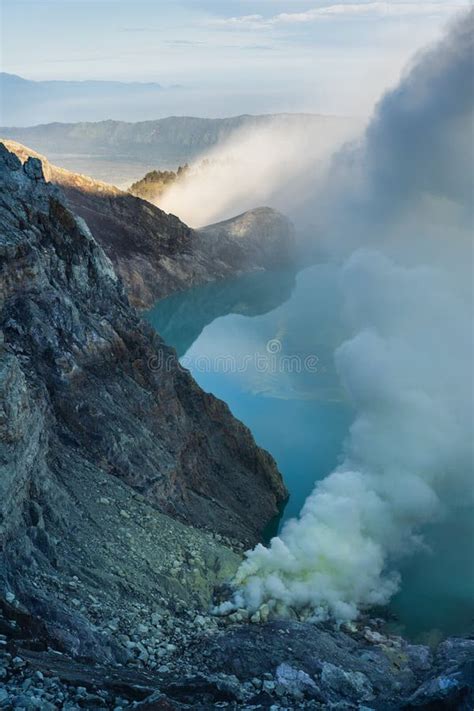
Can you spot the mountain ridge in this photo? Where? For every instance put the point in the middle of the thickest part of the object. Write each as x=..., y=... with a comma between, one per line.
x=75, y=99
x=122, y=151
x=8, y=76
x=48, y=91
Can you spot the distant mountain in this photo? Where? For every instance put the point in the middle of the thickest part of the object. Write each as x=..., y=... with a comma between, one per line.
x=117, y=151
x=23, y=100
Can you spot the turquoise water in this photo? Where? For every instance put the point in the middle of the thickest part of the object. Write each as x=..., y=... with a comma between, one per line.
x=264, y=343
x=295, y=408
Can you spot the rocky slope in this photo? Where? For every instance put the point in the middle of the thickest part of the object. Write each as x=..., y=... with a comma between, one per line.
x=105, y=596
x=91, y=398
x=178, y=659
x=259, y=238
x=156, y=254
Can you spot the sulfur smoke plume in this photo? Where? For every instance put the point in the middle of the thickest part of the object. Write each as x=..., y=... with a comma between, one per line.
x=397, y=211
x=267, y=165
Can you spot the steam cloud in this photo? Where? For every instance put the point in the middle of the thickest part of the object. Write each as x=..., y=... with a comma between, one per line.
x=396, y=208
x=271, y=165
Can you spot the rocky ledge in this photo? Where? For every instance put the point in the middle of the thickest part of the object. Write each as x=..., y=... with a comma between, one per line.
x=175, y=657
x=156, y=254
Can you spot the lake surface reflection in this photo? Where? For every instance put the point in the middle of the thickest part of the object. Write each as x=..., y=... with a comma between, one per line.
x=265, y=344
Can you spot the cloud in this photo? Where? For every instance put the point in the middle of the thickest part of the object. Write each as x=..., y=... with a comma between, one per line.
x=244, y=21
x=372, y=9
x=348, y=10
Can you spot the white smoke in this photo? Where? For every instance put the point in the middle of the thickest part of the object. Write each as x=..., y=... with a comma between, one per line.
x=399, y=207
x=266, y=165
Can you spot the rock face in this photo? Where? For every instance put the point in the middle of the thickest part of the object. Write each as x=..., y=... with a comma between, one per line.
x=259, y=238
x=96, y=415
x=156, y=254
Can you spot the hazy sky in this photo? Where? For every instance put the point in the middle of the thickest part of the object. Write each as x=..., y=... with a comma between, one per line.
x=268, y=55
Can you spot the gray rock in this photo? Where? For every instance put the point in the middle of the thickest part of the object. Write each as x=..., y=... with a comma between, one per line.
x=353, y=685
x=295, y=681
x=230, y=686
x=454, y=651
x=444, y=692
x=34, y=169
x=79, y=393
x=420, y=656
x=452, y=684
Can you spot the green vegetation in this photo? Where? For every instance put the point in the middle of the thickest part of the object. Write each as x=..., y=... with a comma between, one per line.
x=154, y=183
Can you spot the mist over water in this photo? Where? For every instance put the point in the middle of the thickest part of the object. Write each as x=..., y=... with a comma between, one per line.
x=302, y=416
x=396, y=209
x=392, y=211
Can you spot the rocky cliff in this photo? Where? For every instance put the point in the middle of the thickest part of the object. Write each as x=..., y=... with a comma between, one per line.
x=156, y=254
x=108, y=452
x=93, y=401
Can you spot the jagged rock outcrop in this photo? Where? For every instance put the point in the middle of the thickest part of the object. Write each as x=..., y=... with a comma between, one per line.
x=259, y=238
x=95, y=410
x=156, y=254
